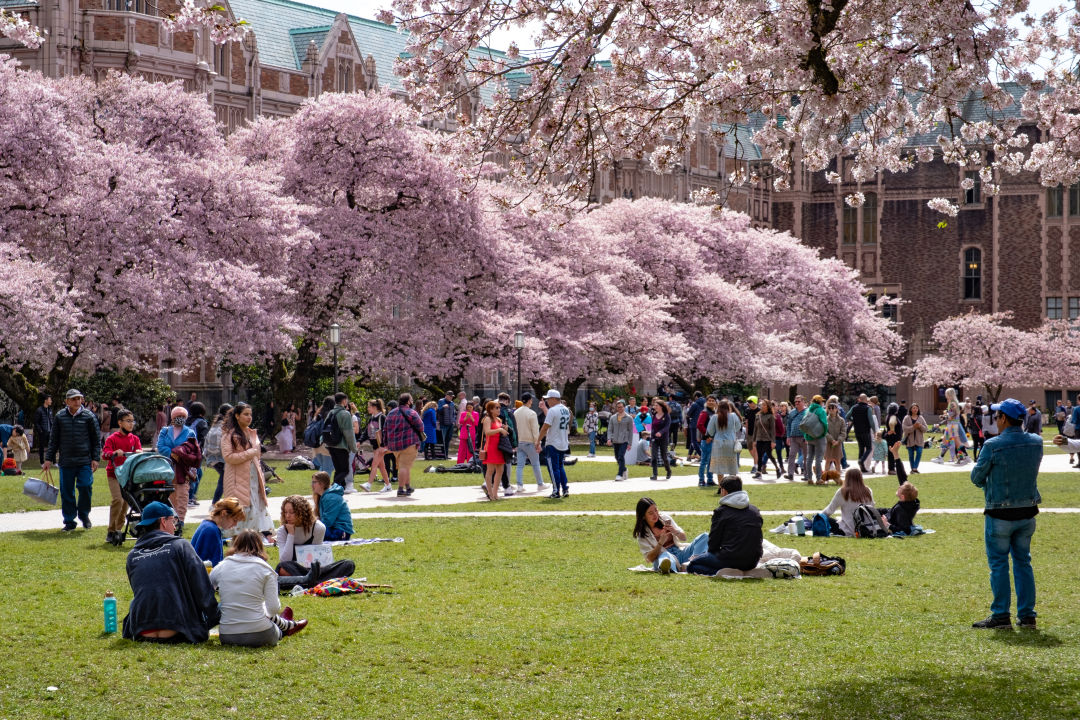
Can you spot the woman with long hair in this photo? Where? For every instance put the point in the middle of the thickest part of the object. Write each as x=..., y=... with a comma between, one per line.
x=492, y=428
x=376, y=421
x=765, y=436
x=467, y=421
x=248, y=588
x=849, y=496
x=207, y=539
x=913, y=430
x=659, y=432
x=300, y=527
x=894, y=430
x=724, y=428
x=212, y=451
x=242, y=453
x=835, y=429
x=660, y=539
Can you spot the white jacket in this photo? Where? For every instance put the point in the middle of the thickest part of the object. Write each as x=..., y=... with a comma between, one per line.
x=248, y=589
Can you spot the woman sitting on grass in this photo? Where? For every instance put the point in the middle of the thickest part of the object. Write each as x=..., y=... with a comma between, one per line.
x=299, y=527
x=248, y=588
x=207, y=540
x=851, y=495
x=659, y=539
x=330, y=507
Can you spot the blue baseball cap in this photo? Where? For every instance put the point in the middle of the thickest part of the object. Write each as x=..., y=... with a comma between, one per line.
x=1013, y=408
x=155, y=511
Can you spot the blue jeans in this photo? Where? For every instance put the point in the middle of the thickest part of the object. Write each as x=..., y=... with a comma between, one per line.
x=335, y=534
x=914, y=455
x=620, y=456
x=193, y=488
x=81, y=477
x=527, y=451
x=592, y=443
x=703, y=469
x=681, y=556
x=556, y=471
x=1002, y=538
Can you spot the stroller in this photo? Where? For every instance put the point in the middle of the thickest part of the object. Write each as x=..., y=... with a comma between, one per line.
x=472, y=465
x=143, y=478
x=269, y=476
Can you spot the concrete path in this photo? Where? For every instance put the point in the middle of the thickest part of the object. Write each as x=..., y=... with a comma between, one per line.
x=389, y=503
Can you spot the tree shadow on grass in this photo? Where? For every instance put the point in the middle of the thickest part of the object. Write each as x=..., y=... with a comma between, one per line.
x=938, y=692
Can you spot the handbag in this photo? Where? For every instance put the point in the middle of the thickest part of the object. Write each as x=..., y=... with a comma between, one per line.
x=42, y=490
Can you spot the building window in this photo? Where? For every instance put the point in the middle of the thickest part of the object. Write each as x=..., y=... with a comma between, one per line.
x=974, y=195
x=1054, y=201
x=221, y=58
x=973, y=274
x=146, y=7
x=1053, y=308
x=1074, y=308
x=1074, y=200
x=851, y=225
x=869, y=219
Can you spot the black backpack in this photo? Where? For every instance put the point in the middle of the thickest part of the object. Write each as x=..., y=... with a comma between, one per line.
x=868, y=522
x=331, y=431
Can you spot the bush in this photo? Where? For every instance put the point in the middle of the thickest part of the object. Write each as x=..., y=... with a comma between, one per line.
x=140, y=393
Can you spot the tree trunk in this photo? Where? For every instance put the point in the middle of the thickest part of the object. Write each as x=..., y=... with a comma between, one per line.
x=539, y=387
x=438, y=386
x=288, y=388
x=569, y=394
x=24, y=387
x=993, y=392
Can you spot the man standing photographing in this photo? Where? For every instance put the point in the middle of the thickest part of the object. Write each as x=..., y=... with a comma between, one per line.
x=1006, y=471
x=77, y=437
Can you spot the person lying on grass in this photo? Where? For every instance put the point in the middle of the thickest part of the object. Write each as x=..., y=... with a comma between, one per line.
x=173, y=600
x=735, y=535
x=248, y=587
x=660, y=539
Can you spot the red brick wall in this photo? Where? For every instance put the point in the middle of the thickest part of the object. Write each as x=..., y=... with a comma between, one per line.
x=146, y=32
x=1074, y=259
x=184, y=42
x=109, y=29
x=1053, y=259
x=328, y=77
x=1021, y=258
x=298, y=85
x=783, y=216
x=238, y=66
x=270, y=79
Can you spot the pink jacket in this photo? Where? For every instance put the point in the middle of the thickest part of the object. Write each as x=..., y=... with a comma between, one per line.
x=237, y=480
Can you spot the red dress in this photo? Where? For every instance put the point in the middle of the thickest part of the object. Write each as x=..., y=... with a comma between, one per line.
x=492, y=454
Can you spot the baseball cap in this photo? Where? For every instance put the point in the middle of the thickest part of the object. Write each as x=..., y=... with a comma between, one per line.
x=1013, y=408
x=553, y=393
x=752, y=398
x=155, y=511
x=73, y=393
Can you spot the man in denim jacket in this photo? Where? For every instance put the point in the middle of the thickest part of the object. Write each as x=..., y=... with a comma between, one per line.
x=1006, y=471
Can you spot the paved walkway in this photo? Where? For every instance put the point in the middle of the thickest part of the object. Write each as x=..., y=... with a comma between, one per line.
x=391, y=504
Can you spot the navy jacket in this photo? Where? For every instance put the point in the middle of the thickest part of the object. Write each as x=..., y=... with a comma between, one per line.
x=172, y=589
x=77, y=437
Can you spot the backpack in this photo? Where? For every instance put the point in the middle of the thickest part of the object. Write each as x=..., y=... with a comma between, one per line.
x=313, y=433
x=331, y=431
x=820, y=525
x=868, y=523
x=811, y=425
x=213, y=442
x=819, y=564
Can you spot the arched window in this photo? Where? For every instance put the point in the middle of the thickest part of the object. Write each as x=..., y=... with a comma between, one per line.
x=973, y=274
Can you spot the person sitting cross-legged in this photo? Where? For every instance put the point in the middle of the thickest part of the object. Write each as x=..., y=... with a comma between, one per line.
x=173, y=600
x=735, y=536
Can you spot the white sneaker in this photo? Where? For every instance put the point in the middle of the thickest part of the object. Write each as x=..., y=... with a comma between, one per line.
x=508, y=492
x=541, y=487
x=618, y=478
x=349, y=490
x=937, y=460
x=386, y=488
x=665, y=566
x=592, y=455
x=366, y=486
x=963, y=460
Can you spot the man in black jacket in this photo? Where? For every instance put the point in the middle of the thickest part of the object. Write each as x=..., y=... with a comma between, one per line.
x=735, y=536
x=862, y=422
x=446, y=417
x=173, y=599
x=77, y=436
x=43, y=422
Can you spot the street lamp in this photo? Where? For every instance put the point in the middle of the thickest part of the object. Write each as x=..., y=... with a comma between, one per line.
x=335, y=340
x=519, y=345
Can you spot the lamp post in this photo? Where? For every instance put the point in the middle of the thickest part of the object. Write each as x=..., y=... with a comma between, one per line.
x=519, y=345
x=335, y=340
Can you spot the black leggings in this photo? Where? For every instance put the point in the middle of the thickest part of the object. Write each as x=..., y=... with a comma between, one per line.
x=659, y=447
x=764, y=452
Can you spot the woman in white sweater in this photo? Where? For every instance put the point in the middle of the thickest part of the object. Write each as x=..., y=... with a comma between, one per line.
x=248, y=588
x=851, y=495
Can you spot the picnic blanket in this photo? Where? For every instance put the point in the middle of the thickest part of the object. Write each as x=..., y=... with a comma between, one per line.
x=769, y=552
x=365, y=541
x=335, y=587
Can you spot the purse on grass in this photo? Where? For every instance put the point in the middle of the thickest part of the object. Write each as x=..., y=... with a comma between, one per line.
x=42, y=490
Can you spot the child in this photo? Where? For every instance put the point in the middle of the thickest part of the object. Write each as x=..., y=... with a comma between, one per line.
x=8, y=467
x=19, y=445
x=117, y=447
x=881, y=452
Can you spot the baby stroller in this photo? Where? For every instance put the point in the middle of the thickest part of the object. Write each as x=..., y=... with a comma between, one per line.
x=269, y=476
x=472, y=465
x=143, y=478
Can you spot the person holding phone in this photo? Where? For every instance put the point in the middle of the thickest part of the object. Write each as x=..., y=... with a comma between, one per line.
x=661, y=539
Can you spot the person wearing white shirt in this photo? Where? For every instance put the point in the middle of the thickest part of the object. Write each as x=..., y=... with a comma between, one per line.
x=556, y=430
x=528, y=435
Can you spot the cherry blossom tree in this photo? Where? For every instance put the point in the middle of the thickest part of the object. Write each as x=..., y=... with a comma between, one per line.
x=750, y=304
x=157, y=246
x=651, y=78
x=20, y=29
x=396, y=250
x=986, y=350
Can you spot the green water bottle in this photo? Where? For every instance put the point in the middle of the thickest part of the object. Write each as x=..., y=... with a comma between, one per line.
x=110, y=612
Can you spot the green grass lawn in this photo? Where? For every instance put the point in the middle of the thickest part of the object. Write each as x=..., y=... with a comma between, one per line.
x=539, y=618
